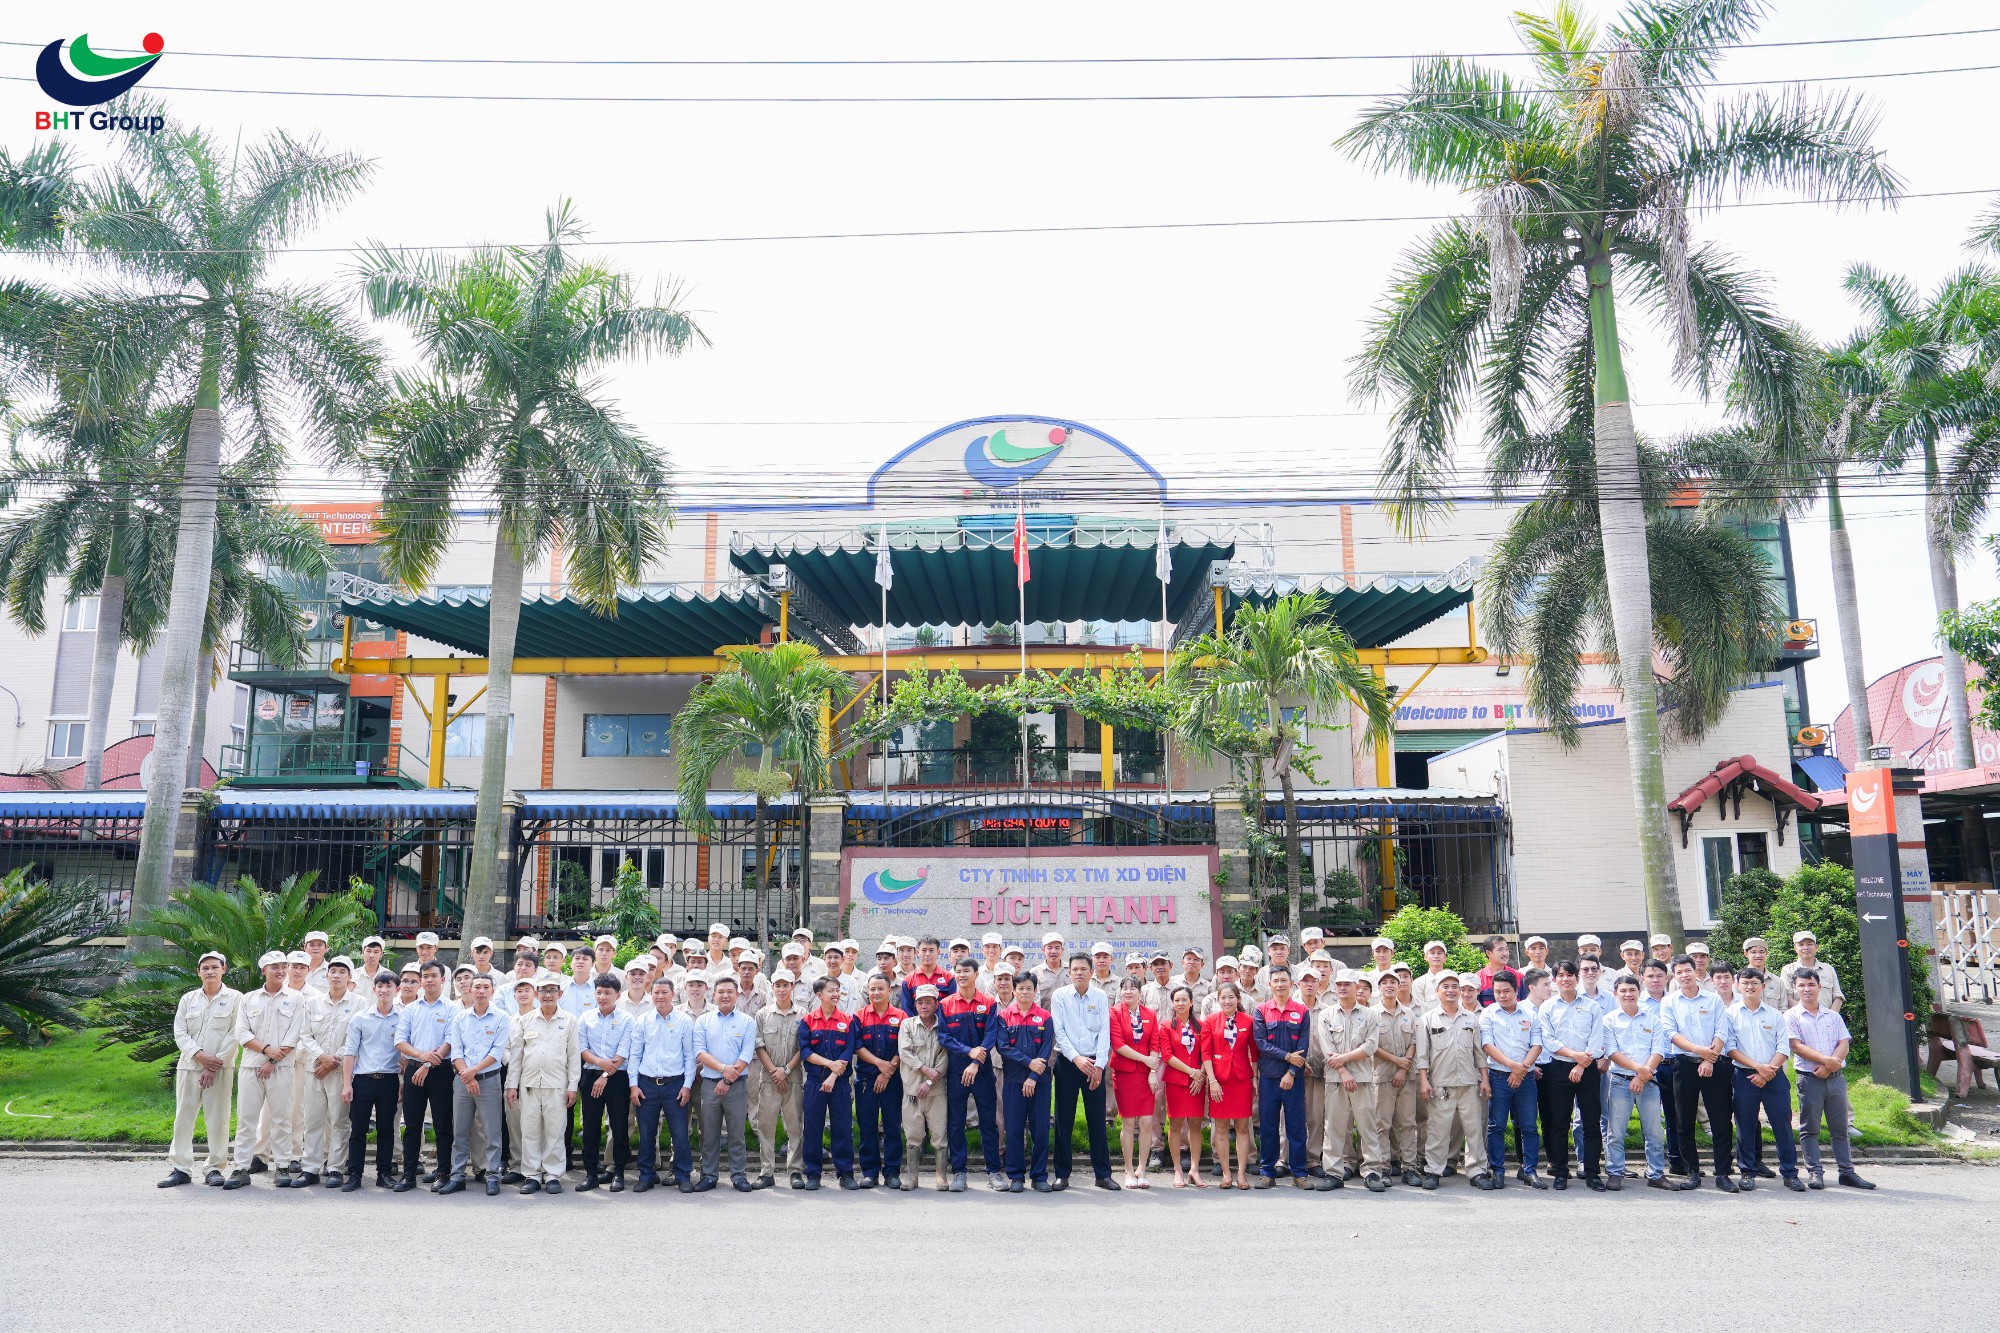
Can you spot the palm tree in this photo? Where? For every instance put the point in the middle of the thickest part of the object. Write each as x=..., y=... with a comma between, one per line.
x=190, y=227
x=508, y=412
x=45, y=972
x=1271, y=671
x=103, y=519
x=1581, y=182
x=1933, y=358
x=769, y=699
x=1775, y=463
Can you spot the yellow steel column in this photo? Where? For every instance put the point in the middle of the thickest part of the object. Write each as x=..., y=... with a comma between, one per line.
x=1385, y=776
x=440, y=719
x=1104, y=755
x=785, y=616
x=826, y=724
x=1218, y=613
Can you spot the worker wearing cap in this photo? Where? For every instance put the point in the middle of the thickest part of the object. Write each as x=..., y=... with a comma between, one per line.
x=637, y=1000
x=776, y=1082
x=507, y=989
x=753, y=988
x=1451, y=1076
x=1537, y=950
x=1697, y=952
x=369, y=1072
x=840, y=968
x=1250, y=978
x=1663, y=948
x=1199, y=986
x=427, y=946
x=878, y=1087
x=480, y=1036
x=1396, y=1101
x=481, y=951
x=964, y=1020
x=1632, y=955
x=931, y=971
x=1025, y=1047
x=1053, y=971
x=827, y=1037
x=269, y=1024
x=544, y=1068
x=604, y=954
x=1349, y=1037
x=328, y=1014
x=1102, y=974
x=661, y=1074
x=205, y=1033
x=315, y=946
x=1280, y=1031
x=372, y=950
x=423, y=1038
x=923, y=1062
x=1424, y=989
x=286, y=1105
x=1805, y=945
x=990, y=946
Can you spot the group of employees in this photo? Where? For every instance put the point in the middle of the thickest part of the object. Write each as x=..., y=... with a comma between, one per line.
x=1324, y=1074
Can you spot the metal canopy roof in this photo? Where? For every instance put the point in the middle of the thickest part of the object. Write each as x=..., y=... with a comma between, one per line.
x=964, y=574
x=666, y=620
x=1373, y=610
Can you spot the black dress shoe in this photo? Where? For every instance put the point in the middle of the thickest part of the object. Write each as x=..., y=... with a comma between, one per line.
x=456, y=1185
x=742, y=1184
x=1690, y=1183
x=617, y=1184
x=1043, y=1187
x=237, y=1180
x=282, y=1181
x=384, y=1182
x=1794, y=1184
x=176, y=1177
x=686, y=1186
x=258, y=1166
x=588, y=1183
x=1855, y=1182
x=1726, y=1185
x=1427, y=1181
x=1376, y=1185
x=849, y=1183
x=1017, y=1187
x=1412, y=1176
x=1059, y=1184
x=304, y=1180
x=704, y=1185
x=530, y=1187
x=213, y=1178
x=430, y=1177
x=1332, y=1182
x=1107, y=1183
x=812, y=1182
x=492, y=1186
x=765, y=1182
x=1748, y=1182
x=1532, y=1181
x=351, y=1184
x=512, y=1178
x=404, y=1186
x=552, y=1187
x=644, y=1183
x=798, y=1180
x=1560, y=1182
x=1762, y=1172
x=334, y=1180
x=1595, y=1183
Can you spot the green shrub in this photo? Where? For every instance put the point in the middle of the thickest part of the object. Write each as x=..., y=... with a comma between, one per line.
x=1746, y=912
x=1412, y=927
x=1821, y=899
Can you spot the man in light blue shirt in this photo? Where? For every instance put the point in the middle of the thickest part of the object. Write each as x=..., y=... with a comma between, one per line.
x=479, y=1037
x=1513, y=1042
x=662, y=1070
x=580, y=996
x=725, y=1042
x=1080, y=1013
x=1691, y=1020
x=369, y=1066
x=604, y=1037
x=1633, y=1044
x=1573, y=1041
x=423, y=1038
x=1758, y=1042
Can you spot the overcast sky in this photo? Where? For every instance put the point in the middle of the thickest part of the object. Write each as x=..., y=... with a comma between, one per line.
x=1244, y=335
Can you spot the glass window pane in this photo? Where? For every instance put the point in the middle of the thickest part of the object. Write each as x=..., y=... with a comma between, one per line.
x=465, y=737
x=603, y=734
x=1718, y=863
x=646, y=733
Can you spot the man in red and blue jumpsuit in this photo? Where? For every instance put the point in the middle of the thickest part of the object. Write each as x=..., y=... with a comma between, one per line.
x=928, y=972
x=1024, y=1037
x=1281, y=1030
x=826, y=1046
x=963, y=1023
x=878, y=1085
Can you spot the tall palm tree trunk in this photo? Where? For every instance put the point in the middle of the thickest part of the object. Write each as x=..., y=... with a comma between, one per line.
x=1847, y=611
x=1628, y=582
x=1292, y=851
x=104, y=667
x=1944, y=593
x=763, y=895
x=204, y=689
x=159, y=870
x=485, y=891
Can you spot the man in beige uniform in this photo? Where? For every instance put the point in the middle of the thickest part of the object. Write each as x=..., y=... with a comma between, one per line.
x=205, y=1032
x=1424, y=989
x=270, y=1022
x=1396, y=1079
x=1451, y=1076
x=328, y=1013
x=544, y=1066
x=1314, y=997
x=922, y=1059
x=1347, y=1038
x=777, y=1091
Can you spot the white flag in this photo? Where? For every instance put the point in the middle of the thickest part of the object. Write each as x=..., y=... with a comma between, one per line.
x=1163, y=560
x=885, y=572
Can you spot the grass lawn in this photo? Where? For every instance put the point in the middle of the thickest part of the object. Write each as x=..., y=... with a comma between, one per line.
x=86, y=1093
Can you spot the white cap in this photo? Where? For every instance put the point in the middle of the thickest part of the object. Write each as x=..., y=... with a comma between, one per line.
x=851, y=945
x=1799, y=936
x=802, y=930
x=1472, y=979
x=784, y=974
x=299, y=956
x=1346, y=974
x=376, y=940
x=1633, y=945
x=1005, y=970
x=753, y=956
x=925, y=990
x=738, y=942
x=427, y=937
x=1434, y=944
x=312, y=935
x=959, y=942
x=481, y=942
x=465, y=969
x=1400, y=966
x=832, y=946
x=717, y=928
x=887, y=946
x=667, y=942
x=1132, y=958
x=1251, y=955
x=1697, y=946
x=545, y=980
x=1663, y=939
x=637, y=964
x=341, y=960
x=211, y=954
x=1582, y=940
x=1311, y=933
x=1227, y=960
x=1053, y=937
x=413, y=968
x=990, y=937
x=1101, y=947
x=1013, y=951
x=794, y=950
x=1383, y=942
x=528, y=942
x=1534, y=939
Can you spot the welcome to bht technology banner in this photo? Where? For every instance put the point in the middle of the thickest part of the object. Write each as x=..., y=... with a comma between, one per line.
x=1137, y=898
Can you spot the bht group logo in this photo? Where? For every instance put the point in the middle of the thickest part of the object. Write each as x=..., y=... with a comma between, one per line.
x=886, y=890
x=77, y=76
x=995, y=461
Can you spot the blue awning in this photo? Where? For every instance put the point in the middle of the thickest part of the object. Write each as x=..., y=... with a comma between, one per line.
x=72, y=804
x=356, y=804
x=645, y=805
x=1824, y=771
x=1428, y=804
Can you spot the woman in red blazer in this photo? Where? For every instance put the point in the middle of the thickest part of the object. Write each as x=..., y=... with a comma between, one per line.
x=1135, y=1078
x=1187, y=1085
x=1228, y=1058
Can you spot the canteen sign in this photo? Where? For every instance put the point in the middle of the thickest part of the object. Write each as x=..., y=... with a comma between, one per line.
x=1137, y=898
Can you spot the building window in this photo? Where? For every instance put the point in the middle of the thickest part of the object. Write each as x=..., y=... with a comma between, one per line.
x=145, y=726
x=1718, y=863
x=613, y=735
x=1753, y=851
x=66, y=740
x=81, y=614
x=465, y=737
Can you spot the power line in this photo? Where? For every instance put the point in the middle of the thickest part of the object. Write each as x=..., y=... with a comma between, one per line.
x=1005, y=60
x=1020, y=98
x=1057, y=229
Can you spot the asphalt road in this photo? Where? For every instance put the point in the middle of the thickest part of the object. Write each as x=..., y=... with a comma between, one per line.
x=90, y=1244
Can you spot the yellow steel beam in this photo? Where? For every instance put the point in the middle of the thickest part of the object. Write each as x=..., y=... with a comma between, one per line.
x=860, y=694
x=1049, y=657
x=440, y=713
x=1105, y=759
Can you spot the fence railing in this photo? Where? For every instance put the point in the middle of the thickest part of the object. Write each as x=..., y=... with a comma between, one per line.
x=1080, y=766
x=1968, y=945
x=308, y=756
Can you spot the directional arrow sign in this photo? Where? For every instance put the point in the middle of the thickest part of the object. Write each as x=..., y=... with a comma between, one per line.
x=1870, y=916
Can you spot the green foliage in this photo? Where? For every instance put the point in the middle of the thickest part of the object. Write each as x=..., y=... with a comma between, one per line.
x=630, y=915
x=44, y=974
x=1127, y=697
x=242, y=922
x=768, y=697
x=1412, y=927
x=1820, y=898
x=1746, y=911
x=572, y=894
x=1974, y=633
x=1343, y=893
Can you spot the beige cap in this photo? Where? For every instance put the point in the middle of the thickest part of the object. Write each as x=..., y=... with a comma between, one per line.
x=1346, y=974
x=1800, y=936
x=1013, y=951
x=925, y=990
x=1383, y=942
x=478, y=942
x=1756, y=942
x=1311, y=933
x=211, y=954
x=427, y=937
x=637, y=964
x=1582, y=940
x=785, y=975
x=1052, y=937
x=1663, y=939
x=1435, y=944
x=312, y=935
x=1635, y=946
x=1534, y=939
x=1101, y=947
x=1699, y=947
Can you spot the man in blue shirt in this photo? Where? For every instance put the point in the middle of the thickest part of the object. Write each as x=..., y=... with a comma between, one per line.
x=662, y=1073
x=604, y=1036
x=1513, y=1043
x=369, y=1065
x=1081, y=1014
x=479, y=1038
x=725, y=1042
x=1758, y=1043
x=1691, y=1019
x=423, y=1038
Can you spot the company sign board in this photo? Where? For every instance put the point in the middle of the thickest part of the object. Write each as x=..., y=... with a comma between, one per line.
x=1907, y=713
x=1136, y=898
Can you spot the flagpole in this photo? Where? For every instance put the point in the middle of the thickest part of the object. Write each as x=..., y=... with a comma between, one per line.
x=1021, y=625
x=1163, y=564
x=884, y=575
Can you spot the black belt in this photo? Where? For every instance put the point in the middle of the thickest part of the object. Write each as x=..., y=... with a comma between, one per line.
x=660, y=1080
x=385, y=1074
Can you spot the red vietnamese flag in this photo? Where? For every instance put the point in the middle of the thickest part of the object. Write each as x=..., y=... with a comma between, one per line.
x=1021, y=546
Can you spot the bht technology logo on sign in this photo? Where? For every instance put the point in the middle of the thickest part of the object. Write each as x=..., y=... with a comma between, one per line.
x=886, y=889
x=994, y=460
x=77, y=76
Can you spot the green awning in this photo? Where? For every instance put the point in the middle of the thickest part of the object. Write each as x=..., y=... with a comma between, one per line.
x=664, y=621
x=1374, y=610
x=964, y=574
